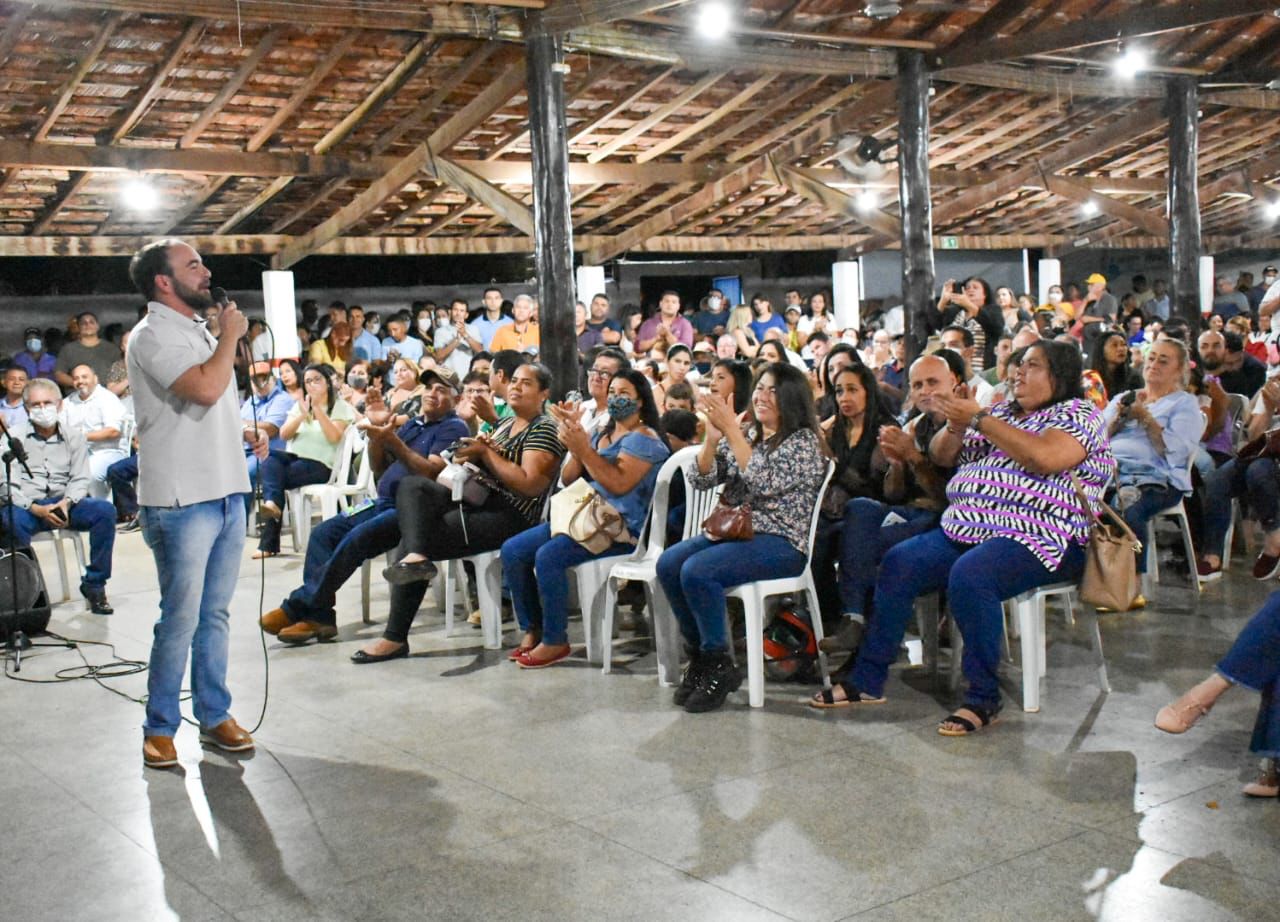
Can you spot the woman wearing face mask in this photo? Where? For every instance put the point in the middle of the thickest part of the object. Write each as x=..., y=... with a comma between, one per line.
x=355, y=390
x=34, y=360
x=313, y=434
x=422, y=327
x=679, y=361
x=621, y=460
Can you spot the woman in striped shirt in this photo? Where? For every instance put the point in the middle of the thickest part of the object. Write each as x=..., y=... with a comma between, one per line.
x=1014, y=523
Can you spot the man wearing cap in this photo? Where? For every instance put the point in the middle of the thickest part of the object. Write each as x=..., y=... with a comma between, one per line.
x=1099, y=312
x=262, y=414
x=338, y=546
x=33, y=359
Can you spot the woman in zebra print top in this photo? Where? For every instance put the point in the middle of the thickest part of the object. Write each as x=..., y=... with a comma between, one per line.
x=1013, y=524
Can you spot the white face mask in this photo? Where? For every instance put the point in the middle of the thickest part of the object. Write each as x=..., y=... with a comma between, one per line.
x=44, y=416
x=374, y=328
x=424, y=324
x=713, y=303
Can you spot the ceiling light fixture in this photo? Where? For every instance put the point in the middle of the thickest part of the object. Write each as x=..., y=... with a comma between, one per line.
x=868, y=200
x=1089, y=208
x=137, y=194
x=1130, y=62
x=1273, y=209
x=713, y=20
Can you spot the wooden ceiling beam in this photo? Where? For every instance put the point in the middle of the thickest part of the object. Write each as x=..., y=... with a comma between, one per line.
x=412, y=209
x=13, y=29
x=264, y=244
x=835, y=201
x=493, y=97
x=729, y=107
x=1148, y=19
x=738, y=126
x=231, y=86
x=50, y=213
x=660, y=114
x=584, y=131
x=337, y=51
x=792, y=125
x=313, y=201
x=84, y=64
x=330, y=13
x=1140, y=218
x=162, y=75
x=565, y=15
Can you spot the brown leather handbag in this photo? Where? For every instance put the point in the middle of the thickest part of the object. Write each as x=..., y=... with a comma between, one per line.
x=1110, y=566
x=728, y=522
x=1266, y=445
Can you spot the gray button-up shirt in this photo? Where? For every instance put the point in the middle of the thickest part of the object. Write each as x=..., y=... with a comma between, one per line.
x=186, y=453
x=59, y=467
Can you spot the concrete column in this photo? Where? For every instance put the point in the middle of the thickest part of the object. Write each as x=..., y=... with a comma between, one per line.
x=913, y=195
x=282, y=318
x=553, y=226
x=1184, y=200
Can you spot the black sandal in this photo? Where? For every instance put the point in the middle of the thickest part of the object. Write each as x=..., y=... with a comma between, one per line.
x=826, y=697
x=988, y=717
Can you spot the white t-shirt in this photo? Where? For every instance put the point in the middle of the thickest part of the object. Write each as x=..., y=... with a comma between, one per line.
x=459, y=360
x=103, y=410
x=187, y=453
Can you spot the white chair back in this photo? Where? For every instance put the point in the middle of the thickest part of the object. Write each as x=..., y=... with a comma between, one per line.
x=697, y=503
x=1238, y=418
x=341, y=473
x=653, y=540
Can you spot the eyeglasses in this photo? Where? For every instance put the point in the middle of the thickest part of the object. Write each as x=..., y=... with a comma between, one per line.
x=475, y=392
x=599, y=373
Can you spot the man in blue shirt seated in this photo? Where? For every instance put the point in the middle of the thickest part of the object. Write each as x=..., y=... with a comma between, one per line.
x=364, y=345
x=263, y=413
x=339, y=545
x=399, y=344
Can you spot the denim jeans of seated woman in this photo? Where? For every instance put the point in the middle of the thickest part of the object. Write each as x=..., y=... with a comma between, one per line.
x=1152, y=500
x=536, y=568
x=695, y=574
x=1253, y=662
x=281, y=471
x=862, y=538
x=978, y=578
x=1258, y=481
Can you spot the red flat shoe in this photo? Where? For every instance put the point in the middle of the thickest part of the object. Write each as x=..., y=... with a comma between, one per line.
x=518, y=652
x=527, y=662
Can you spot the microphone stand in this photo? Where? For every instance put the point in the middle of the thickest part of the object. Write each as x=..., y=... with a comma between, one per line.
x=17, y=640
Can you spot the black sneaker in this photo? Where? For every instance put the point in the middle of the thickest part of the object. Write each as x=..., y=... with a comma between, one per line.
x=692, y=677
x=97, y=599
x=719, y=677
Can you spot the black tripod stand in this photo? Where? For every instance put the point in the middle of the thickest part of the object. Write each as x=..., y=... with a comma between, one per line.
x=16, y=640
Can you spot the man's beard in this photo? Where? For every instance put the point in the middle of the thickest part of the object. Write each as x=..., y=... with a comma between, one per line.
x=194, y=298
x=1207, y=367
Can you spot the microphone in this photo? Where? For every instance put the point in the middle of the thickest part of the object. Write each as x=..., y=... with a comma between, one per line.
x=16, y=448
x=219, y=296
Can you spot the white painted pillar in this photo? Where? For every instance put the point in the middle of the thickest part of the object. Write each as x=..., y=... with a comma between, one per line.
x=1049, y=273
x=589, y=282
x=277, y=296
x=1206, y=284
x=846, y=292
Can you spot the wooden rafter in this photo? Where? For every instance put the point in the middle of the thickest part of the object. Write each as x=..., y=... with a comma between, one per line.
x=564, y=15
x=585, y=131
x=1140, y=218
x=84, y=64
x=729, y=107
x=163, y=73
x=792, y=125
x=658, y=115
x=231, y=86
x=740, y=125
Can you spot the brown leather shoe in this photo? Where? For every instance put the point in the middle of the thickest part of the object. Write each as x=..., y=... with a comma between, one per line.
x=228, y=736
x=274, y=621
x=303, y=631
x=158, y=752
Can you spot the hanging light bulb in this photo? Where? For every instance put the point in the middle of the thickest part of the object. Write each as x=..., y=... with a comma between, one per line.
x=137, y=194
x=868, y=200
x=1089, y=208
x=713, y=20
x=1130, y=62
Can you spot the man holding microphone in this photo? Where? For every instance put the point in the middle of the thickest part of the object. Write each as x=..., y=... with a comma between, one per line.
x=191, y=481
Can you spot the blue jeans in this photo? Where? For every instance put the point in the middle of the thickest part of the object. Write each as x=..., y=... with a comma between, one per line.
x=536, y=569
x=695, y=574
x=1152, y=500
x=123, y=478
x=1254, y=662
x=337, y=549
x=283, y=471
x=96, y=516
x=197, y=550
x=1257, y=480
x=865, y=539
x=978, y=578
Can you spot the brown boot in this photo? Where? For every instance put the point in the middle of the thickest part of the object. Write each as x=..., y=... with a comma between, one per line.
x=301, y=632
x=228, y=736
x=159, y=752
x=274, y=621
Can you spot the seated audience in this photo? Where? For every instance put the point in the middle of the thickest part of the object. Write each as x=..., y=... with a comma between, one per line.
x=960, y=341
x=55, y=494
x=621, y=460
x=1014, y=523
x=355, y=389
x=456, y=341
x=291, y=379
x=666, y=328
x=88, y=349
x=520, y=460
x=1254, y=476
x=334, y=349
x=1154, y=433
x=712, y=315
x=1253, y=662
x=1109, y=373
x=398, y=344
x=475, y=389
x=313, y=434
x=13, y=409
x=1223, y=354
x=909, y=498
x=523, y=333
x=681, y=430
x=777, y=469
x=99, y=416
x=263, y=413
x=739, y=327
x=404, y=400
x=340, y=545
x=606, y=363
x=680, y=396
x=679, y=359
x=34, y=358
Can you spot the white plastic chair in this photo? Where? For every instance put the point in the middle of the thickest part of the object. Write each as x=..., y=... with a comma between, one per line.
x=1178, y=512
x=57, y=536
x=324, y=496
x=642, y=565
x=1028, y=610
x=753, y=595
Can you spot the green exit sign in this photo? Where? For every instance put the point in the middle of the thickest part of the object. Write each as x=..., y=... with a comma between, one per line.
x=951, y=243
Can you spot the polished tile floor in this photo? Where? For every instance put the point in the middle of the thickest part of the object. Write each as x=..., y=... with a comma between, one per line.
x=452, y=785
